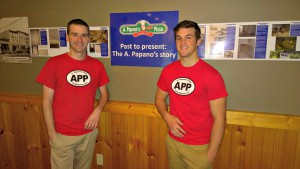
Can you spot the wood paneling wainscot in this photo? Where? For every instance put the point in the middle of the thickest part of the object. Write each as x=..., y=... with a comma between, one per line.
x=131, y=136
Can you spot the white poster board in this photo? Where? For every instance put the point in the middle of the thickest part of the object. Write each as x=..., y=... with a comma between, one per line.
x=276, y=40
x=52, y=41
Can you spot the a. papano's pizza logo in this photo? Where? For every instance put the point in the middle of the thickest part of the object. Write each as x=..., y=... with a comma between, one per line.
x=143, y=27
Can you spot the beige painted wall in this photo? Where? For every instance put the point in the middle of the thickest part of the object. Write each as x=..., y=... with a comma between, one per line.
x=261, y=86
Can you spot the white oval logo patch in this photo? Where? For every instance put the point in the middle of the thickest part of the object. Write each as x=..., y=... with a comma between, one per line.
x=79, y=78
x=183, y=86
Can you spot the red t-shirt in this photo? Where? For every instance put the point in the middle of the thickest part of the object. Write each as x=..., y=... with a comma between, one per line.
x=75, y=84
x=190, y=89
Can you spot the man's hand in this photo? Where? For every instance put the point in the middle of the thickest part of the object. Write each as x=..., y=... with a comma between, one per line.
x=92, y=121
x=51, y=135
x=174, y=125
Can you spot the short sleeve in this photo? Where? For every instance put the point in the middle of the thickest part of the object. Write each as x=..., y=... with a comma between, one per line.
x=47, y=75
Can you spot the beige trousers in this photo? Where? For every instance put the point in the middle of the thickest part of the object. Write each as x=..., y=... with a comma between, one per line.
x=182, y=156
x=73, y=152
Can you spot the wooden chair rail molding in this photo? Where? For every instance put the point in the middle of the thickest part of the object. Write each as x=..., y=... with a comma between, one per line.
x=131, y=135
x=253, y=119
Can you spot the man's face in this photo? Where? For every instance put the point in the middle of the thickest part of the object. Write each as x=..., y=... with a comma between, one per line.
x=186, y=42
x=78, y=38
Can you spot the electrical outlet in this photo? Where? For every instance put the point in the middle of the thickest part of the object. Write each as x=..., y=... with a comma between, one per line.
x=99, y=158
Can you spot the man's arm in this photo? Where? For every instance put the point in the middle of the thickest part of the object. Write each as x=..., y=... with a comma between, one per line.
x=93, y=120
x=48, y=94
x=218, y=109
x=173, y=123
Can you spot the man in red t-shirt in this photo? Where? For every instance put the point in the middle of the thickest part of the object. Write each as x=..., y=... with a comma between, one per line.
x=197, y=94
x=70, y=82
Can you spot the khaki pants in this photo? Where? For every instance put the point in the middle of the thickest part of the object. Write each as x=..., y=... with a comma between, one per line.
x=73, y=152
x=182, y=156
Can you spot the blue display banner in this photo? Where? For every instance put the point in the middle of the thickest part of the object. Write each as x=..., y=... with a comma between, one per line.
x=201, y=47
x=230, y=37
x=295, y=29
x=261, y=41
x=43, y=34
x=143, y=38
x=104, y=49
x=63, y=38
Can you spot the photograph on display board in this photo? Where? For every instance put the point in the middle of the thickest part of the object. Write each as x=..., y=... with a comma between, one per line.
x=247, y=30
x=285, y=48
x=35, y=50
x=94, y=48
x=35, y=37
x=54, y=38
x=286, y=43
x=98, y=36
x=99, y=42
x=202, y=35
x=246, y=48
x=217, y=38
x=217, y=48
x=14, y=40
x=281, y=30
x=228, y=54
x=35, y=41
x=43, y=51
x=217, y=33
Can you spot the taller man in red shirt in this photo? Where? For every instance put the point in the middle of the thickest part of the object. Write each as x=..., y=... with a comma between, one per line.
x=70, y=82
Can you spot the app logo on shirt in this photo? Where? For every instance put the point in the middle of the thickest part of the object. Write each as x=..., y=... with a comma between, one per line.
x=183, y=86
x=78, y=78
